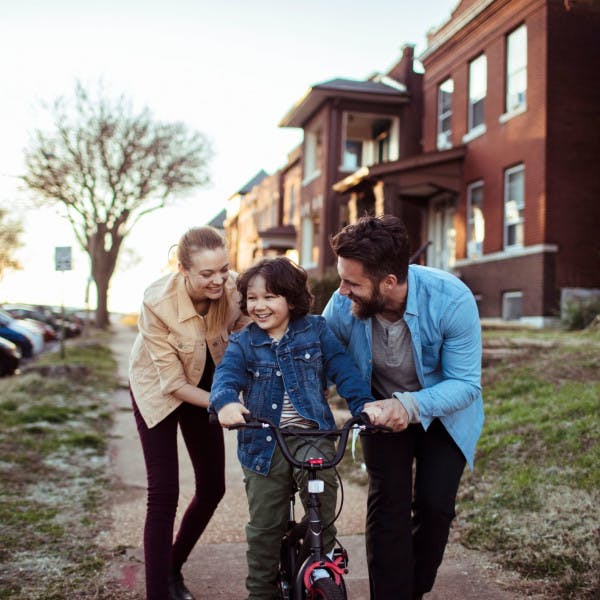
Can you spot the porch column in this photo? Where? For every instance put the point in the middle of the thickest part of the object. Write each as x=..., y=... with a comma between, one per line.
x=392, y=203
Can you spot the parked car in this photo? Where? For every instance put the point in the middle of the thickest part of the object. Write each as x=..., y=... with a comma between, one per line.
x=73, y=325
x=49, y=333
x=39, y=313
x=10, y=357
x=26, y=329
x=21, y=341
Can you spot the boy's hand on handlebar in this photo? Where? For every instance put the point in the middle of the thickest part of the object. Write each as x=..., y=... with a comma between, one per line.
x=388, y=412
x=232, y=414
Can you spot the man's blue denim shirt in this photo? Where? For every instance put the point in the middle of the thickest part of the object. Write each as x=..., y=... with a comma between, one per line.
x=301, y=363
x=444, y=324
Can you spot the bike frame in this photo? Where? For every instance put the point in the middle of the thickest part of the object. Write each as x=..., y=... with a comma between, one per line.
x=301, y=577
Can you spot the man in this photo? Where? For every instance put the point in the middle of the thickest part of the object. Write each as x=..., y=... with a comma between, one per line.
x=415, y=333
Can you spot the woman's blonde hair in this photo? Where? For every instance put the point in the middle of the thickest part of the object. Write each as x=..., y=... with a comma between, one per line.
x=196, y=240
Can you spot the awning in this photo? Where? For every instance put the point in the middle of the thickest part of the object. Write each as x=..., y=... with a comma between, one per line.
x=422, y=175
x=278, y=238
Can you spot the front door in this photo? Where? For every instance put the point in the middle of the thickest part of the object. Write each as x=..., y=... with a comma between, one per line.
x=441, y=252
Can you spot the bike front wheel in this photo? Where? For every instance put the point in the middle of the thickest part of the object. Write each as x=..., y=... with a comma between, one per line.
x=327, y=589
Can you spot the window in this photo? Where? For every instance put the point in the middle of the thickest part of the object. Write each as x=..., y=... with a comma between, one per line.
x=477, y=91
x=312, y=154
x=475, y=220
x=368, y=139
x=512, y=306
x=381, y=133
x=310, y=242
x=352, y=155
x=514, y=206
x=292, y=204
x=516, y=69
x=444, y=130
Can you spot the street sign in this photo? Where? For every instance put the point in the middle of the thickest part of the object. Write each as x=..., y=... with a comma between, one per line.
x=62, y=258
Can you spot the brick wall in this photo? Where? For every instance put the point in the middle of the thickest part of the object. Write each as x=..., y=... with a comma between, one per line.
x=574, y=143
x=533, y=275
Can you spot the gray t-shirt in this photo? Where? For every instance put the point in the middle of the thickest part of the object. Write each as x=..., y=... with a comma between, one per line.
x=394, y=372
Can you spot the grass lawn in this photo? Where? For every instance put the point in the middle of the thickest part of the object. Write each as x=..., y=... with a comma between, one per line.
x=533, y=500
x=534, y=497
x=54, y=422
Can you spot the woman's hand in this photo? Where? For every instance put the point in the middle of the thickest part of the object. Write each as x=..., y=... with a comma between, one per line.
x=232, y=414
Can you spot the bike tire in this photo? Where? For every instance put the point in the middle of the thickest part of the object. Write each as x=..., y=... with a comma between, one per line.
x=326, y=589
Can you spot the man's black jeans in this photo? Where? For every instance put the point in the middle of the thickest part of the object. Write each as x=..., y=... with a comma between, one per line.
x=405, y=535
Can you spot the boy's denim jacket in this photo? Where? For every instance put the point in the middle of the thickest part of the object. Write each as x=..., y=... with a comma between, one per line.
x=445, y=330
x=302, y=362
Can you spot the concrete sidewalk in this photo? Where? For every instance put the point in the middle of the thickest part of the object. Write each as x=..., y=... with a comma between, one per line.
x=216, y=568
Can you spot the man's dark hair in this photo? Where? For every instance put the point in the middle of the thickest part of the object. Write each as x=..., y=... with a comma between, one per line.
x=379, y=243
x=283, y=278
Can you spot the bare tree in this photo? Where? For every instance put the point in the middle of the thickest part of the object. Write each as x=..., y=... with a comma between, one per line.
x=10, y=232
x=108, y=166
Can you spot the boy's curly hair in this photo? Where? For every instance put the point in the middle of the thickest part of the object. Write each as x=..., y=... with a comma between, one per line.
x=282, y=277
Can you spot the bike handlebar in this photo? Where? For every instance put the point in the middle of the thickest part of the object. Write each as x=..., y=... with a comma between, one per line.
x=361, y=421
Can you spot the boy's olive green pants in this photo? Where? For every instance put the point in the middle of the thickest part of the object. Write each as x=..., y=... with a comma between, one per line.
x=269, y=506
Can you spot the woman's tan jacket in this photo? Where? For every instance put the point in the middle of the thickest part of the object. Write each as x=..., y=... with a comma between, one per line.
x=170, y=348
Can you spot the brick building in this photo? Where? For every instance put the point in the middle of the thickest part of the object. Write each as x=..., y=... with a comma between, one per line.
x=488, y=156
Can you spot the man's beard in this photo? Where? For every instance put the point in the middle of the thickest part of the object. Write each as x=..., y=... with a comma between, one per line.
x=365, y=308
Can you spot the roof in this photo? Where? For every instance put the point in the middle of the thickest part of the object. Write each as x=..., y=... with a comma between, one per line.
x=218, y=220
x=352, y=85
x=247, y=187
x=378, y=89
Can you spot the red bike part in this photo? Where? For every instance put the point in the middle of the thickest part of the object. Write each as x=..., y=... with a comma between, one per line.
x=335, y=569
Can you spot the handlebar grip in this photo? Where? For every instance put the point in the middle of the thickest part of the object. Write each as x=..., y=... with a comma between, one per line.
x=236, y=426
x=250, y=422
x=370, y=426
x=364, y=417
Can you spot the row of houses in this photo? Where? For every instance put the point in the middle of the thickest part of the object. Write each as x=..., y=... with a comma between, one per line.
x=489, y=153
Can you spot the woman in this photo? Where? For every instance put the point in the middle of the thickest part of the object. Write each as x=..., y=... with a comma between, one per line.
x=184, y=325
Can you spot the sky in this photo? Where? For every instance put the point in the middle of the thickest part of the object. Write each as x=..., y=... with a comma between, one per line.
x=230, y=69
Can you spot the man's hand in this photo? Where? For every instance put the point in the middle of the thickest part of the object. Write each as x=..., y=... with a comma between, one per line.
x=232, y=414
x=388, y=412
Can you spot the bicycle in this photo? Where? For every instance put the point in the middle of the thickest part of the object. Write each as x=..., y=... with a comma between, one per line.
x=302, y=551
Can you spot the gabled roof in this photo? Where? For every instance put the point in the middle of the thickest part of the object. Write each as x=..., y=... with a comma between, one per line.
x=379, y=89
x=247, y=187
x=218, y=220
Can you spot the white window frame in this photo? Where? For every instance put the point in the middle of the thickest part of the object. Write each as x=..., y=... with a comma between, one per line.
x=514, y=209
x=477, y=89
x=309, y=249
x=509, y=298
x=444, y=136
x=516, y=70
x=475, y=246
x=291, y=204
x=313, y=138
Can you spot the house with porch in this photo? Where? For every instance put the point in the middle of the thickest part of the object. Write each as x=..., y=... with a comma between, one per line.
x=487, y=153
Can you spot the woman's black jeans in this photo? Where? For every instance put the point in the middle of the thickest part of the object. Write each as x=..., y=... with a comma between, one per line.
x=405, y=535
x=204, y=442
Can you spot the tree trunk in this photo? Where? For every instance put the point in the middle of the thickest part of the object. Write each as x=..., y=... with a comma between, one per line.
x=102, y=315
